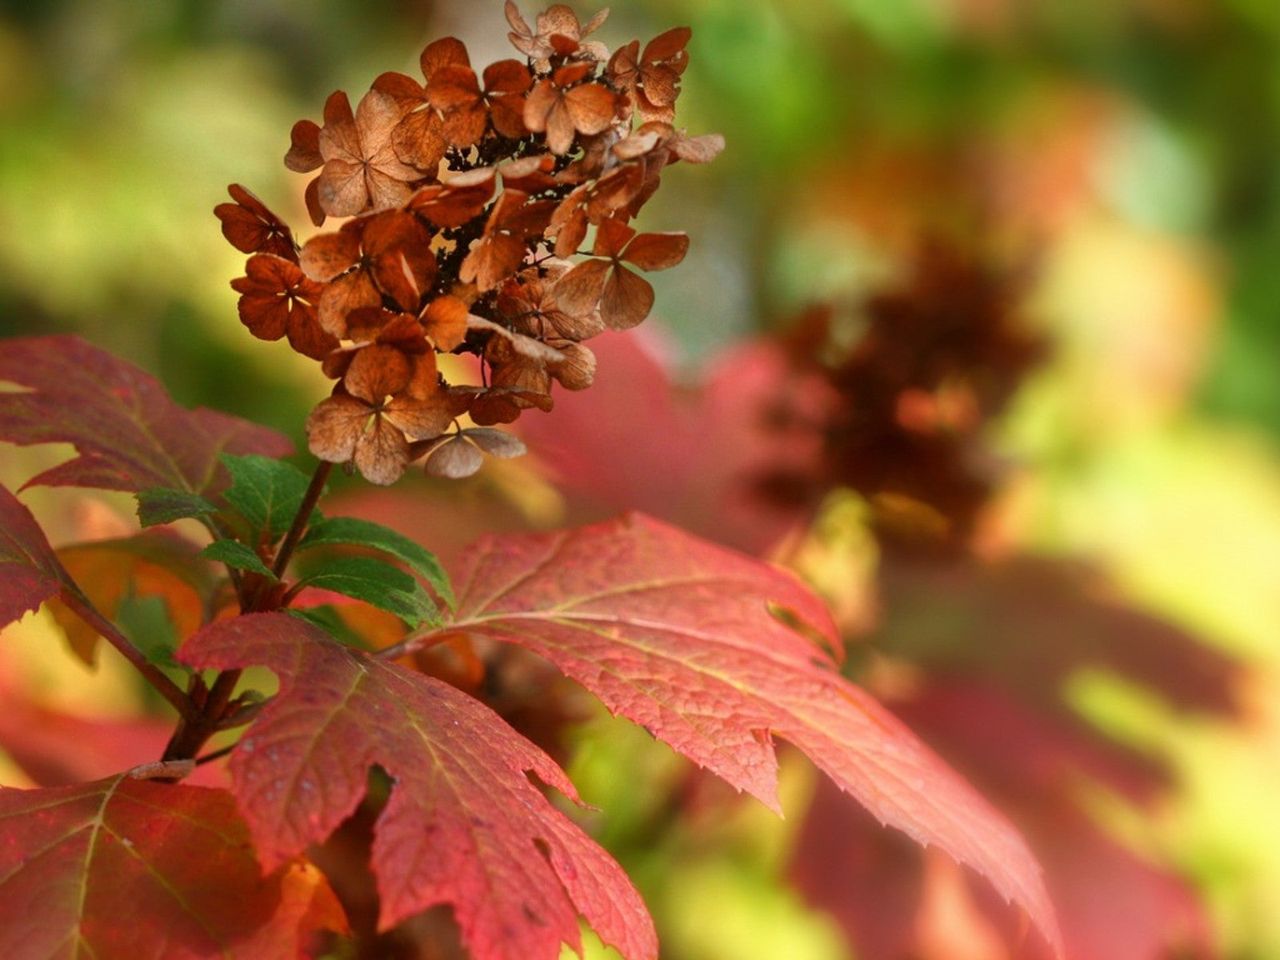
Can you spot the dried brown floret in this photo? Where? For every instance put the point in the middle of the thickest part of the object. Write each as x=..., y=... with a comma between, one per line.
x=251, y=228
x=277, y=300
x=624, y=299
x=563, y=105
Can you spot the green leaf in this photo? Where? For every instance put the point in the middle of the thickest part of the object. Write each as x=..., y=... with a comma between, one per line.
x=236, y=554
x=162, y=505
x=350, y=530
x=266, y=492
x=380, y=584
x=146, y=623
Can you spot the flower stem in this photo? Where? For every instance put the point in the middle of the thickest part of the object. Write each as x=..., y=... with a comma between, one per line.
x=302, y=517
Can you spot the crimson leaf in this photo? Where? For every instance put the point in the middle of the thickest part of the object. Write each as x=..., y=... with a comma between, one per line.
x=123, y=867
x=129, y=433
x=677, y=634
x=464, y=825
x=30, y=573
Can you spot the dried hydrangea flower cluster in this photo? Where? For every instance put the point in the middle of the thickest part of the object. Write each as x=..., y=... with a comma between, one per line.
x=938, y=358
x=469, y=197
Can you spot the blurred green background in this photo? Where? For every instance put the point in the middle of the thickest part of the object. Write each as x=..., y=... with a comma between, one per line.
x=1129, y=148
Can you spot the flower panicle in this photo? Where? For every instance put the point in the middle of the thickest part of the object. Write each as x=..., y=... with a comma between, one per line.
x=469, y=199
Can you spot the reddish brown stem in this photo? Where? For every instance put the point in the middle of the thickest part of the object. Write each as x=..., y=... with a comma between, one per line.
x=302, y=517
x=153, y=675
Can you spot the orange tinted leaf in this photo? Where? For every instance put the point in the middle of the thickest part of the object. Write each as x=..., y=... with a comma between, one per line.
x=117, y=867
x=155, y=563
x=128, y=434
x=669, y=630
x=464, y=825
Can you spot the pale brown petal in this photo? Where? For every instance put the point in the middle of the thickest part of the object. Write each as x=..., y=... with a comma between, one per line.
x=421, y=419
x=537, y=106
x=591, y=107
x=419, y=140
x=377, y=372
x=579, y=290
x=339, y=140
x=576, y=368
x=342, y=189
x=627, y=299
x=382, y=453
x=455, y=459
x=701, y=149
x=496, y=443
x=334, y=426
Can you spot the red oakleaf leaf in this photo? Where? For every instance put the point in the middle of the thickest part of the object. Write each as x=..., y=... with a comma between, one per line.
x=124, y=867
x=129, y=433
x=464, y=825
x=29, y=571
x=677, y=635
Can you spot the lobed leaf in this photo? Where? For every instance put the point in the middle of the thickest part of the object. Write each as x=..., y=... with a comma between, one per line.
x=333, y=531
x=30, y=572
x=678, y=635
x=267, y=493
x=380, y=584
x=127, y=431
x=464, y=825
x=125, y=868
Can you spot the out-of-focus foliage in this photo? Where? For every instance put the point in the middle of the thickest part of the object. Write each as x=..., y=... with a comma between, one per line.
x=1122, y=155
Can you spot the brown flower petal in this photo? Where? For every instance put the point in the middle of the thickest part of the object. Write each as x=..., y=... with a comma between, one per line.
x=330, y=254
x=578, y=291
x=445, y=321
x=382, y=453
x=347, y=293
x=627, y=299
x=304, y=147
x=378, y=372
x=591, y=107
x=656, y=251
x=445, y=52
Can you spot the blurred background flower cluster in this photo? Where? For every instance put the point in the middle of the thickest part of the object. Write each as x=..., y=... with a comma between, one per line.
x=1078, y=604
